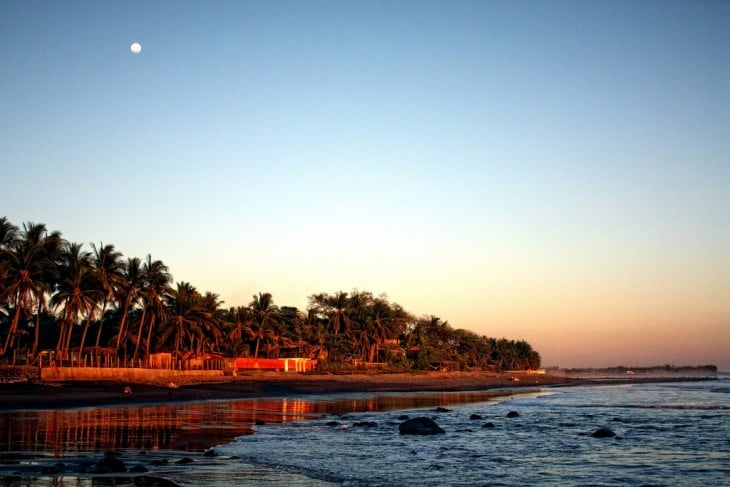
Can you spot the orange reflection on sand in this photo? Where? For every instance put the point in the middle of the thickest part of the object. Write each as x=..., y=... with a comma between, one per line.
x=188, y=426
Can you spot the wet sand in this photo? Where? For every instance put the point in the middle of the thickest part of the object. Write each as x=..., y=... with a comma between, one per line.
x=28, y=396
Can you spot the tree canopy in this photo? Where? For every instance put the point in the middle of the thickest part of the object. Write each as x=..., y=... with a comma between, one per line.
x=57, y=295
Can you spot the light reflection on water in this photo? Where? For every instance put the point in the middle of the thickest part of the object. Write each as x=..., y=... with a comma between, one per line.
x=191, y=426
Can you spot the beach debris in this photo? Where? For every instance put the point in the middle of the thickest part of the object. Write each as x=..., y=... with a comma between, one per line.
x=172, y=385
x=127, y=390
x=513, y=414
x=603, y=433
x=332, y=423
x=420, y=426
x=488, y=425
x=210, y=453
x=475, y=416
x=259, y=422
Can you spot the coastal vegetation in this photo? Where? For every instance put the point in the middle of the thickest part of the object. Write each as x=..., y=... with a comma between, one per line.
x=58, y=295
x=653, y=369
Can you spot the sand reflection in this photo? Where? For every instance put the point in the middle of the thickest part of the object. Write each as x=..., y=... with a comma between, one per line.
x=189, y=426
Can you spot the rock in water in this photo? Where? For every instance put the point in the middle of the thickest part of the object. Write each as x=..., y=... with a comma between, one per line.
x=420, y=426
x=603, y=433
x=513, y=414
x=111, y=463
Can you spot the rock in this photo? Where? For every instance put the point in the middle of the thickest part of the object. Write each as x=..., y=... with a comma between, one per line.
x=403, y=417
x=260, y=422
x=112, y=463
x=475, y=416
x=210, y=453
x=488, y=425
x=442, y=410
x=603, y=433
x=138, y=469
x=184, y=461
x=513, y=414
x=161, y=462
x=366, y=424
x=420, y=426
x=332, y=423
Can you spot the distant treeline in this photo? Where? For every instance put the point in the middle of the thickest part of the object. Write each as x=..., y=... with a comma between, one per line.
x=653, y=369
x=57, y=295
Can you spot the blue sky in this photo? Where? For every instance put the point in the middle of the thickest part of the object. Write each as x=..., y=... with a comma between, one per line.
x=553, y=171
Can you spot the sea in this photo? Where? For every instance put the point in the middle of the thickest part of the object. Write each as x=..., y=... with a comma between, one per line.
x=672, y=434
x=666, y=434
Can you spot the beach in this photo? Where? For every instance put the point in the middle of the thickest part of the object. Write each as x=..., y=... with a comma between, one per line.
x=158, y=431
x=36, y=395
x=75, y=430
x=33, y=395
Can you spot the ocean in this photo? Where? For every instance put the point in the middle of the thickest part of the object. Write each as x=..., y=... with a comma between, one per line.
x=673, y=434
x=666, y=434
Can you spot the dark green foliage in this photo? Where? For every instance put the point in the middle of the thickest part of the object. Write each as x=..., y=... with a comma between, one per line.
x=55, y=294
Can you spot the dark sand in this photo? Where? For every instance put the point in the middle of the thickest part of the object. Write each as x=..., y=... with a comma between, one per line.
x=29, y=396
x=261, y=384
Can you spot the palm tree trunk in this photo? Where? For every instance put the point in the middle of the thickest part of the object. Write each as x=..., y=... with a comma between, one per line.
x=62, y=332
x=139, y=334
x=12, y=330
x=124, y=320
x=37, y=333
x=89, y=318
x=101, y=323
x=149, y=335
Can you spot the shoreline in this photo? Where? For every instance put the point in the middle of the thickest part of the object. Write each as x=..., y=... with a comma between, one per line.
x=68, y=395
x=137, y=466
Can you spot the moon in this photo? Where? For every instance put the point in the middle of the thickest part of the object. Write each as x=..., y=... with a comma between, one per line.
x=136, y=48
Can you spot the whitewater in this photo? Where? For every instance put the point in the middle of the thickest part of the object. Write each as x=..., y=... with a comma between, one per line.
x=666, y=434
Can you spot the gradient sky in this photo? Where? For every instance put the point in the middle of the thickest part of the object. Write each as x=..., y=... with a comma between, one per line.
x=551, y=171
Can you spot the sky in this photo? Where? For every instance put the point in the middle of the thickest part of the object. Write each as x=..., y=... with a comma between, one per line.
x=549, y=171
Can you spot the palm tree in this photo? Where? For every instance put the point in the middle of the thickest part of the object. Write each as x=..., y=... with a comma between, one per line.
x=155, y=294
x=29, y=263
x=109, y=267
x=338, y=315
x=185, y=317
x=8, y=235
x=131, y=284
x=77, y=293
x=265, y=315
x=239, y=319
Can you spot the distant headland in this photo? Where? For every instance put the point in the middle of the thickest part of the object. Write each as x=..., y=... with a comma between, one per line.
x=626, y=370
